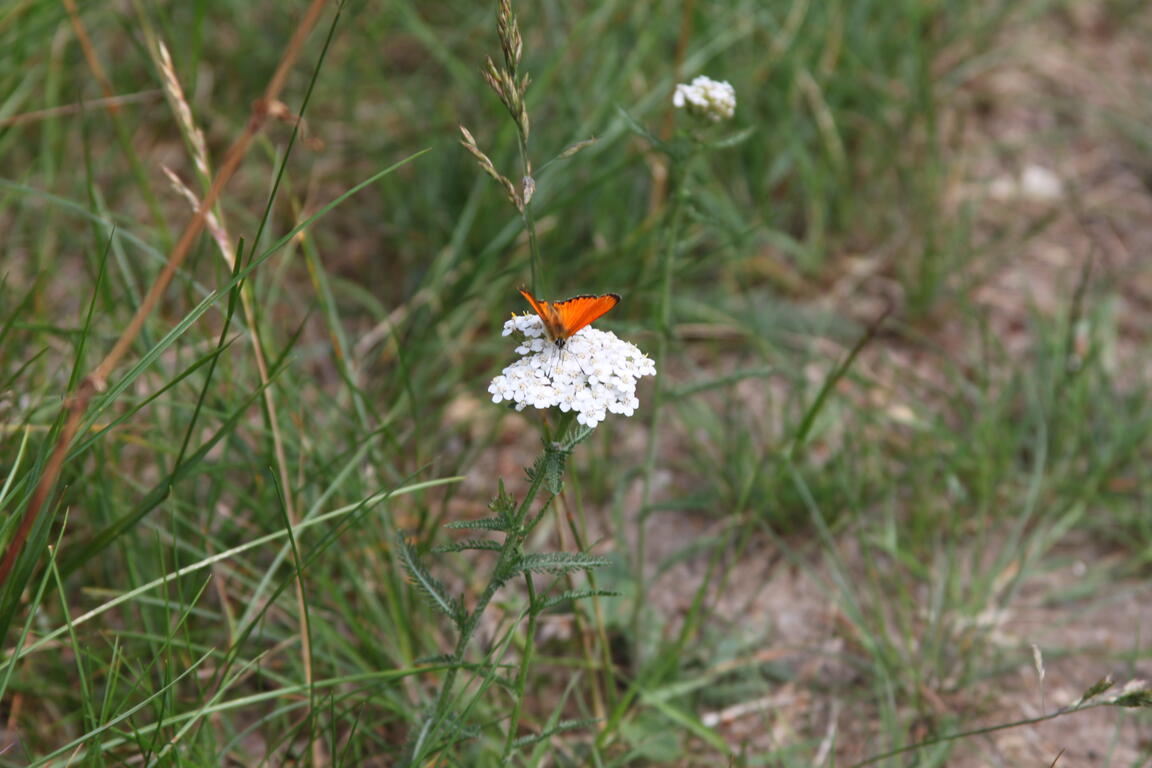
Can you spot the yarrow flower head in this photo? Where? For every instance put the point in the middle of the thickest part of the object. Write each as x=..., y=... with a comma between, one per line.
x=710, y=99
x=594, y=374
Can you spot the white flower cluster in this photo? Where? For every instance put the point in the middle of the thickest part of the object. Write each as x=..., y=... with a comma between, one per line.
x=594, y=374
x=711, y=99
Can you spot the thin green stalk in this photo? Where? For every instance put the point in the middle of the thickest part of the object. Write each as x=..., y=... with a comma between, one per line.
x=512, y=547
x=658, y=390
x=579, y=534
x=518, y=528
x=536, y=262
x=984, y=730
x=525, y=663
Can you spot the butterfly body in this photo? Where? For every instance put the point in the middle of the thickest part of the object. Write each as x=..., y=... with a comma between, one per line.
x=562, y=319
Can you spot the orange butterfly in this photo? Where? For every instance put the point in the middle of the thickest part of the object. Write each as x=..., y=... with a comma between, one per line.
x=564, y=318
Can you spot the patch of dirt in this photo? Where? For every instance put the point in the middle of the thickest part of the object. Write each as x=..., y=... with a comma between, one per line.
x=1046, y=163
x=1051, y=153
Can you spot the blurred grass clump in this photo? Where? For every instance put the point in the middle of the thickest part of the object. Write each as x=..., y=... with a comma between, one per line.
x=215, y=577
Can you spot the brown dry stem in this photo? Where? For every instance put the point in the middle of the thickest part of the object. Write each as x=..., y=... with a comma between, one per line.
x=76, y=405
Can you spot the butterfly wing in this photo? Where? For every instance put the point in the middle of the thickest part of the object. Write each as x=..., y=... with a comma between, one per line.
x=564, y=318
x=537, y=306
x=579, y=311
x=548, y=315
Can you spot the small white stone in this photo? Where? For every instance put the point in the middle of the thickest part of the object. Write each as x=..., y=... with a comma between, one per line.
x=1039, y=183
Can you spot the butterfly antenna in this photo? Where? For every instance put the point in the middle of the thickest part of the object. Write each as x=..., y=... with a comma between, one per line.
x=556, y=352
x=556, y=358
x=578, y=364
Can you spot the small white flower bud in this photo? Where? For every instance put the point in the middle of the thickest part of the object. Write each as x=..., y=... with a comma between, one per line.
x=707, y=98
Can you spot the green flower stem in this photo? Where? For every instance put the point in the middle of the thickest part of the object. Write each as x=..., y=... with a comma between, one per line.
x=599, y=624
x=680, y=182
x=558, y=433
x=539, y=287
x=525, y=663
x=512, y=549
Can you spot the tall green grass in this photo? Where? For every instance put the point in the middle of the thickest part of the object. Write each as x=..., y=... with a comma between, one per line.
x=225, y=571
